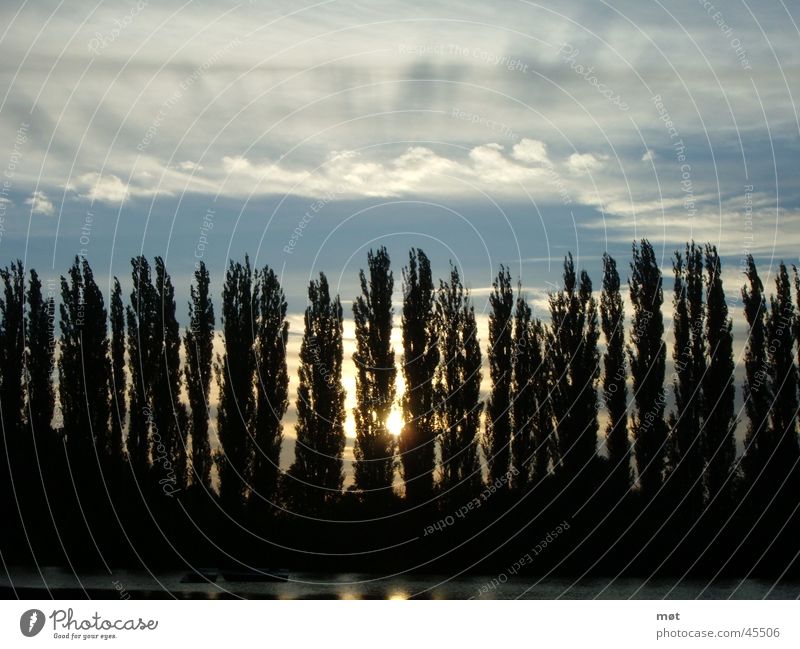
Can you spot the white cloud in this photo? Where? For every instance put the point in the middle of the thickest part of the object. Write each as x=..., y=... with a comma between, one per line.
x=531, y=151
x=188, y=165
x=585, y=163
x=417, y=170
x=105, y=188
x=40, y=204
x=649, y=155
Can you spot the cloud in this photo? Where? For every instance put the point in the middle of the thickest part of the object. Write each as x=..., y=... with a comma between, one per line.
x=417, y=170
x=531, y=151
x=188, y=165
x=97, y=187
x=585, y=163
x=40, y=204
x=649, y=155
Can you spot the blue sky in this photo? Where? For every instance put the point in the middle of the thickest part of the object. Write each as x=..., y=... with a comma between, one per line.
x=485, y=133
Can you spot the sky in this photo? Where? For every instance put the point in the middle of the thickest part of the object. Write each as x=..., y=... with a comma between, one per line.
x=306, y=133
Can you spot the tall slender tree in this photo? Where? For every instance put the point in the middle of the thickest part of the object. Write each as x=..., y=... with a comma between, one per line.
x=198, y=344
x=317, y=467
x=574, y=370
x=530, y=444
x=169, y=411
x=719, y=390
x=375, y=379
x=458, y=380
x=141, y=316
x=756, y=389
x=39, y=363
x=782, y=449
x=118, y=379
x=35, y=462
x=84, y=370
x=615, y=391
x=497, y=443
x=420, y=358
x=13, y=469
x=235, y=372
x=647, y=356
x=12, y=349
x=272, y=384
x=686, y=447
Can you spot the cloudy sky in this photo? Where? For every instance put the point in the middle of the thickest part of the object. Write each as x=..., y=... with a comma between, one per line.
x=506, y=132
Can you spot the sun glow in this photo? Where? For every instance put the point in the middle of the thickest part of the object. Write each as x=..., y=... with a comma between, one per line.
x=394, y=423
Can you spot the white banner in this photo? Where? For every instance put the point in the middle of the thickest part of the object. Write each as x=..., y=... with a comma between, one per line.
x=396, y=624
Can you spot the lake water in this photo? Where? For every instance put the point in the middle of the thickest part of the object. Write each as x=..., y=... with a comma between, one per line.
x=60, y=583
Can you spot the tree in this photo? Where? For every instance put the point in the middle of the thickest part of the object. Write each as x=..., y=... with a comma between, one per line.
x=756, y=388
x=12, y=349
x=84, y=370
x=458, y=380
x=781, y=449
x=118, y=380
x=574, y=370
x=375, y=379
x=141, y=315
x=420, y=359
x=497, y=444
x=317, y=467
x=615, y=391
x=39, y=363
x=687, y=448
x=198, y=342
x=530, y=444
x=647, y=357
x=170, y=419
x=719, y=392
x=235, y=372
x=272, y=385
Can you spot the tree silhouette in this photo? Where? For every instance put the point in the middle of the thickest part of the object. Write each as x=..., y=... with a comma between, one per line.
x=420, y=358
x=531, y=407
x=647, y=356
x=272, y=384
x=458, y=380
x=497, y=443
x=317, y=467
x=12, y=348
x=39, y=363
x=756, y=389
x=615, y=391
x=375, y=376
x=781, y=449
x=235, y=371
x=170, y=419
x=118, y=379
x=719, y=391
x=59, y=509
x=141, y=315
x=84, y=370
x=574, y=369
x=686, y=445
x=198, y=342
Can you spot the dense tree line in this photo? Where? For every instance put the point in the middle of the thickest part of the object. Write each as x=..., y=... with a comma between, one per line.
x=101, y=404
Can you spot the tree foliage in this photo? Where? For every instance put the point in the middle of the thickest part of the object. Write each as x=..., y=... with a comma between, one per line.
x=420, y=359
x=647, y=357
x=375, y=378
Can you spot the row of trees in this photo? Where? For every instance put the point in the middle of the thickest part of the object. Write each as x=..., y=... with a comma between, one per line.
x=126, y=398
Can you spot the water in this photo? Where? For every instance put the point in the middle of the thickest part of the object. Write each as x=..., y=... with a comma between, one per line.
x=61, y=583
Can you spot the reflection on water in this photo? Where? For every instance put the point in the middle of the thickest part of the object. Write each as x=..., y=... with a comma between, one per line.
x=61, y=583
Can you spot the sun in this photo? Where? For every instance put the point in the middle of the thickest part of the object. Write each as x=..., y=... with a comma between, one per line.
x=394, y=423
